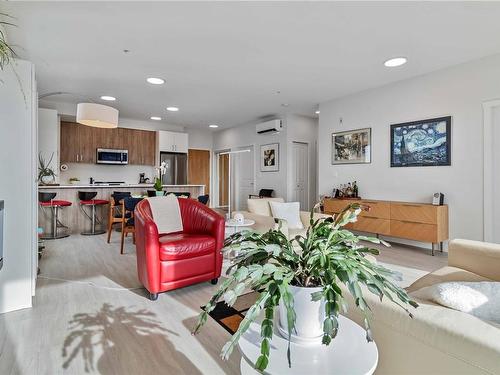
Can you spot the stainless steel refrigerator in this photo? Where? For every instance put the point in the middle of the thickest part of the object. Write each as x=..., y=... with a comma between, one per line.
x=176, y=168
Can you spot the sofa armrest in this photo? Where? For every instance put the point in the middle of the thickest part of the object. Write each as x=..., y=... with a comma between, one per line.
x=481, y=258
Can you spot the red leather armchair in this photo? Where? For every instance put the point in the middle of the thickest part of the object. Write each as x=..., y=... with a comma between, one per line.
x=175, y=260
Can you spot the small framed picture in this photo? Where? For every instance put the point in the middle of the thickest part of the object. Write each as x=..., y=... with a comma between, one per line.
x=270, y=157
x=352, y=146
x=421, y=143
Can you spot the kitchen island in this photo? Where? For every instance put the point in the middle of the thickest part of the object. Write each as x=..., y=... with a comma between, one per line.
x=76, y=220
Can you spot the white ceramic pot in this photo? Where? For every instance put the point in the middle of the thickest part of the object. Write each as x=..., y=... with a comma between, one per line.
x=47, y=180
x=309, y=316
x=159, y=193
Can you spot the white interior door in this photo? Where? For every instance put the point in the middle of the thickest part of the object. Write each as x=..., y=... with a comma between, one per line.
x=300, y=174
x=496, y=175
x=243, y=177
x=491, y=112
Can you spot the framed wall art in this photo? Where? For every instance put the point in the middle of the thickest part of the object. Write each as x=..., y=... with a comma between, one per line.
x=421, y=143
x=352, y=146
x=269, y=157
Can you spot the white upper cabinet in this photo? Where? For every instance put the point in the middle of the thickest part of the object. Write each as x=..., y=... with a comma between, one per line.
x=181, y=142
x=172, y=142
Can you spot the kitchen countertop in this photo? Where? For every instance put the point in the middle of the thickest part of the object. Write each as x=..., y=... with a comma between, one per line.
x=104, y=186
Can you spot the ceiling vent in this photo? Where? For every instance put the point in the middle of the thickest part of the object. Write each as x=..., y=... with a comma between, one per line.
x=270, y=127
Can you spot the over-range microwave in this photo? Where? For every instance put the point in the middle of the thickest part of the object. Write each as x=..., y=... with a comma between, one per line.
x=111, y=156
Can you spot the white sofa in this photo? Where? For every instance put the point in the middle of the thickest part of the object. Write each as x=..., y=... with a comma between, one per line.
x=439, y=340
x=260, y=211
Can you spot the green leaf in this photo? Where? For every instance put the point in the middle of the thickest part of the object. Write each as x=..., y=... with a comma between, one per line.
x=230, y=297
x=269, y=268
x=316, y=296
x=265, y=347
x=261, y=363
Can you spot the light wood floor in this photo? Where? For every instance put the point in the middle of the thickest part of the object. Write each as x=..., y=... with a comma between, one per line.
x=90, y=315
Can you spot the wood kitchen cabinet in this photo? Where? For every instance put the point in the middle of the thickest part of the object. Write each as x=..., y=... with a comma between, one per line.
x=79, y=143
x=141, y=145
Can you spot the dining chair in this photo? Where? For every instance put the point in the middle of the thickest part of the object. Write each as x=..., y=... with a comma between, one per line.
x=116, y=211
x=204, y=199
x=128, y=224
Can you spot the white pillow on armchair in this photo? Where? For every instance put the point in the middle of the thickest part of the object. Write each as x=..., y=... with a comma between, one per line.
x=290, y=212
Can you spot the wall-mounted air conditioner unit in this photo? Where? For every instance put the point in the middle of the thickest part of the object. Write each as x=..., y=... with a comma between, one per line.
x=270, y=127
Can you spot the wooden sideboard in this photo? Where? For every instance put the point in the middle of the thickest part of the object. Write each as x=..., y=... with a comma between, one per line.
x=413, y=221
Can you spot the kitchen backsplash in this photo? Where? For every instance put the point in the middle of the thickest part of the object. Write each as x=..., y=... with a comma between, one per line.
x=127, y=173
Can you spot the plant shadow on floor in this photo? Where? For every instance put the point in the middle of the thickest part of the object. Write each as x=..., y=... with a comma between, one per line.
x=205, y=338
x=127, y=341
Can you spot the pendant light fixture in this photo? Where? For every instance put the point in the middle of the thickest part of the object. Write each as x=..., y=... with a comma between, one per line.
x=96, y=115
x=91, y=114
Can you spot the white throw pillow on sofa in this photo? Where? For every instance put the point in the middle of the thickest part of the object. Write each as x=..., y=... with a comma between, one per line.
x=261, y=206
x=289, y=212
x=481, y=299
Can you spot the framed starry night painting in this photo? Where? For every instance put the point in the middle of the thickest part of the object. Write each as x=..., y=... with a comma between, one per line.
x=421, y=143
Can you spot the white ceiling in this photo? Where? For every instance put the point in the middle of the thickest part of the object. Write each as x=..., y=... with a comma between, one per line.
x=224, y=62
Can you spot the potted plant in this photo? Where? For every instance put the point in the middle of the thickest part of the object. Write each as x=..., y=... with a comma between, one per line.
x=302, y=278
x=6, y=51
x=46, y=174
x=158, y=180
x=158, y=186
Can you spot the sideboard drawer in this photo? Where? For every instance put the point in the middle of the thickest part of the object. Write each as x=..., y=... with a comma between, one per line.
x=335, y=205
x=372, y=225
x=378, y=209
x=414, y=231
x=417, y=213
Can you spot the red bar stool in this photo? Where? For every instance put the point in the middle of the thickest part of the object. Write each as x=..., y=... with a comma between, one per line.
x=87, y=200
x=46, y=200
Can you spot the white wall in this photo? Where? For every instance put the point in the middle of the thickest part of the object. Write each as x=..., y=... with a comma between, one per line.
x=48, y=137
x=18, y=184
x=303, y=129
x=200, y=139
x=245, y=135
x=458, y=91
x=296, y=128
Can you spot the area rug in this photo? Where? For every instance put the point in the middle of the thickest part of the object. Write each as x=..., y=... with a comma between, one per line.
x=231, y=317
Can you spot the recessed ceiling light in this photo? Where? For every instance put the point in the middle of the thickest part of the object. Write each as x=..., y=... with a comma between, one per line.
x=397, y=61
x=108, y=98
x=156, y=118
x=317, y=112
x=284, y=104
x=172, y=109
x=156, y=81
x=213, y=126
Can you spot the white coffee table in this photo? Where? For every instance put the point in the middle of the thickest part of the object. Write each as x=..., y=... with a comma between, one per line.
x=232, y=223
x=348, y=354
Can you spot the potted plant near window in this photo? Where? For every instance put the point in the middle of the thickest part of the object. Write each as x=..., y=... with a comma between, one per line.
x=6, y=51
x=302, y=278
x=46, y=175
